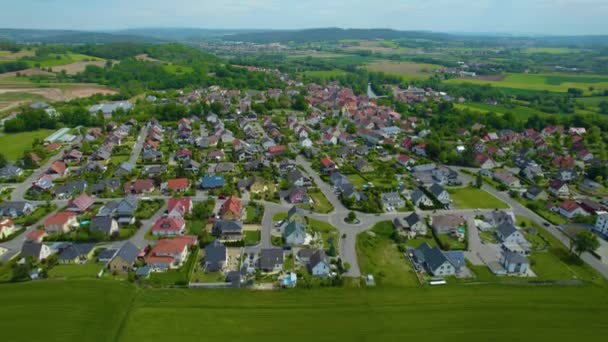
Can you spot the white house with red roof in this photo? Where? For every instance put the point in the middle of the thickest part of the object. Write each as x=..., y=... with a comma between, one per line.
x=571, y=209
x=60, y=223
x=81, y=203
x=7, y=228
x=169, y=226
x=170, y=253
x=179, y=207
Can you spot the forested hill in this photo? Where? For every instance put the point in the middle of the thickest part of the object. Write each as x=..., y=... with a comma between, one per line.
x=330, y=34
x=70, y=37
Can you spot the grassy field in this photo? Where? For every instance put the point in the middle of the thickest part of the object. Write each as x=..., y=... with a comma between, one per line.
x=550, y=50
x=14, y=144
x=320, y=205
x=550, y=82
x=473, y=198
x=520, y=112
x=455, y=313
x=53, y=60
x=408, y=70
x=325, y=73
x=64, y=311
x=378, y=255
x=88, y=270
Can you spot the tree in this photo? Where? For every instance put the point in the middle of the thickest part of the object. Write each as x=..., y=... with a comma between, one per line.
x=584, y=241
x=479, y=180
x=351, y=216
x=2, y=160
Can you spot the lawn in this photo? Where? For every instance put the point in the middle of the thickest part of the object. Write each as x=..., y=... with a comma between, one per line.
x=12, y=145
x=556, y=262
x=179, y=276
x=74, y=271
x=279, y=217
x=378, y=255
x=405, y=69
x=254, y=214
x=320, y=203
x=454, y=313
x=540, y=82
x=473, y=198
x=77, y=303
x=147, y=209
x=252, y=237
x=328, y=232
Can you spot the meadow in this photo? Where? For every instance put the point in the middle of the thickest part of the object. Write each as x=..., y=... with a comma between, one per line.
x=99, y=310
x=541, y=82
x=407, y=70
x=473, y=198
x=12, y=145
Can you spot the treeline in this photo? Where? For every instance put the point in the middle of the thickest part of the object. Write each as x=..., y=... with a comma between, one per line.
x=30, y=120
x=13, y=66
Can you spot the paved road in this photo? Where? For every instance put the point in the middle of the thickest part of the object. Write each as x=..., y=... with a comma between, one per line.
x=20, y=189
x=14, y=246
x=139, y=145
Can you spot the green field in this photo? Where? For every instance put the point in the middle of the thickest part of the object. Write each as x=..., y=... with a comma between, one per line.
x=59, y=59
x=520, y=112
x=378, y=255
x=549, y=82
x=99, y=310
x=325, y=73
x=14, y=144
x=74, y=271
x=473, y=198
x=550, y=50
x=407, y=70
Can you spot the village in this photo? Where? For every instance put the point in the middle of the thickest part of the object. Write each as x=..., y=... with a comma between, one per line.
x=232, y=198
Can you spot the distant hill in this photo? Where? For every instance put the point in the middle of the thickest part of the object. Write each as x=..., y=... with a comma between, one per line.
x=330, y=34
x=70, y=37
x=181, y=34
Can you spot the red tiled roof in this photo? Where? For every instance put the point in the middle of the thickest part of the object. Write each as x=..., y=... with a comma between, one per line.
x=58, y=167
x=168, y=224
x=569, y=206
x=327, y=162
x=178, y=184
x=232, y=205
x=82, y=202
x=172, y=246
x=183, y=203
x=59, y=218
x=35, y=235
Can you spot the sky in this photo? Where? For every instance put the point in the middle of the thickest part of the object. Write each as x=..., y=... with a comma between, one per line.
x=559, y=17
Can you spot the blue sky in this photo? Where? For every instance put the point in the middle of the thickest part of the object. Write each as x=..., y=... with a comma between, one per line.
x=504, y=16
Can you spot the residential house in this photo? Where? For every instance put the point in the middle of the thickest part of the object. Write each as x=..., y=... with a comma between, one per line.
x=435, y=261
x=571, y=209
x=509, y=234
x=37, y=251
x=420, y=199
x=75, y=253
x=514, y=263
x=169, y=226
x=295, y=233
x=601, y=223
x=124, y=259
x=231, y=209
x=139, y=187
x=16, y=209
x=179, y=207
x=319, y=265
x=170, y=254
x=104, y=224
x=271, y=260
x=328, y=165
x=80, y=204
x=212, y=182
x=10, y=171
x=447, y=223
x=216, y=257
x=231, y=230
x=559, y=188
x=363, y=166
x=405, y=160
x=296, y=195
x=178, y=185
x=415, y=224
x=506, y=178
x=392, y=200
x=483, y=161
x=60, y=223
x=36, y=235
x=440, y=194
x=125, y=169
x=7, y=228
x=536, y=193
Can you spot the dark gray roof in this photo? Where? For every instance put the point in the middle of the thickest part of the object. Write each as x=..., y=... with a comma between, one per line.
x=506, y=229
x=433, y=258
x=215, y=252
x=412, y=219
x=128, y=252
x=417, y=195
x=535, y=190
x=73, y=251
x=270, y=257
x=436, y=189
x=221, y=226
x=107, y=254
x=515, y=258
x=102, y=223
x=31, y=249
x=318, y=257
